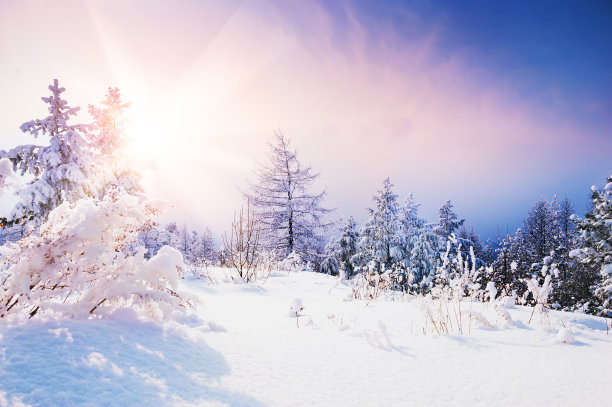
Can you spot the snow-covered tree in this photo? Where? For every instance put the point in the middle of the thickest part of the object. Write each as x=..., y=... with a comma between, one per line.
x=540, y=231
x=571, y=281
x=339, y=252
x=502, y=268
x=291, y=216
x=470, y=240
x=381, y=245
x=107, y=137
x=204, y=251
x=60, y=170
x=412, y=224
x=596, y=242
x=448, y=222
x=566, y=228
x=87, y=260
x=423, y=260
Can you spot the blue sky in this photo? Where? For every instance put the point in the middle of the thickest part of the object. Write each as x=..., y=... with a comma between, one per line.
x=489, y=104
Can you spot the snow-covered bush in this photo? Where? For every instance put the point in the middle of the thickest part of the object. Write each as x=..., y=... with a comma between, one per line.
x=371, y=283
x=86, y=260
x=293, y=262
x=539, y=293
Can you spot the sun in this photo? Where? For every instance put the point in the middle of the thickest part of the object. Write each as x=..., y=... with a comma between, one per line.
x=144, y=130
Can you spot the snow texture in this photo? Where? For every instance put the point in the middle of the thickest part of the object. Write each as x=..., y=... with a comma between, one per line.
x=240, y=349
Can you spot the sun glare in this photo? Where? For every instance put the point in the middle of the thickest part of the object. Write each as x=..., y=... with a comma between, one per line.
x=144, y=130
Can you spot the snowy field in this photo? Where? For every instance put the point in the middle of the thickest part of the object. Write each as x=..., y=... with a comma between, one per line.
x=244, y=347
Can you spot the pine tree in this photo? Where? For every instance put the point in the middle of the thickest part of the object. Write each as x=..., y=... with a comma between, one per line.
x=571, y=281
x=423, y=260
x=381, y=244
x=205, y=252
x=503, y=275
x=471, y=239
x=540, y=230
x=411, y=224
x=596, y=243
x=339, y=252
x=60, y=170
x=108, y=139
x=291, y=216
x=449, y=222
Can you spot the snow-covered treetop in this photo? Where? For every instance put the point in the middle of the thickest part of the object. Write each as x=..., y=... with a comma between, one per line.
x=59, y=115
x=60, y=169
x=449, y=222
x=108, y=124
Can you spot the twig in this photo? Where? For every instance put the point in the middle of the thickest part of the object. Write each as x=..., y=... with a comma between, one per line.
x=433, y=322
x=534, y=307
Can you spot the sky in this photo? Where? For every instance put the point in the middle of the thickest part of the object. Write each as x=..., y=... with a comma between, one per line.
x=489, y=104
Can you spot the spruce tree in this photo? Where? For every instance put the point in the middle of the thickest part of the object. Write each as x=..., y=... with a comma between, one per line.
x=381, y=244
x=339, y=252
x=60, y=170
x=448, y=222
x=596, y=243
x=107, y=138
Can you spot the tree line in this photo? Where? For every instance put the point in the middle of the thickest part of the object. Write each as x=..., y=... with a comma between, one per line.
x=82, y=172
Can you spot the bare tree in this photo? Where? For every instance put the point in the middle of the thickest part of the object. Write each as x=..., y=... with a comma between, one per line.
x=242, y=246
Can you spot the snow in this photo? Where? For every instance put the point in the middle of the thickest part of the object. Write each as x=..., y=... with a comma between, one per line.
x=242, y=347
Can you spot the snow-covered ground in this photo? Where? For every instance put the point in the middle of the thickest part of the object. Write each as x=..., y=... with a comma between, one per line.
x=245, y=347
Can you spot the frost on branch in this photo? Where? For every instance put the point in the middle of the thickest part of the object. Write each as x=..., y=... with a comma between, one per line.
x=60, y=170
x=87, y=261
x=107, y=139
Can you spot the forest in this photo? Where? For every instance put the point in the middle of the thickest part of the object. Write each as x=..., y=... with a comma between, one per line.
x=84, y=238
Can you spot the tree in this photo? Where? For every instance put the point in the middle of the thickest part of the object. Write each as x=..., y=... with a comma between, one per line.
x=86, y=257
x=107, y=139
x=471, y=239
x=423, y=260
x=503, y=271
x=571, y=280
x=382, y=244
x=60, y=170
x=291, y=215
x=449, y=222
x=204, y=252
x=596, y=243
x=540, y=230
x=339, y=252
x=411, y=224
x=242, y=245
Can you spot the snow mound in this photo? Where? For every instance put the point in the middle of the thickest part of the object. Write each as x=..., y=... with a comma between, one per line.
x=565, y=335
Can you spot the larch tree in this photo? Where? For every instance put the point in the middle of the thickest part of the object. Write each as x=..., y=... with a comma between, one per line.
x=290, y=214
